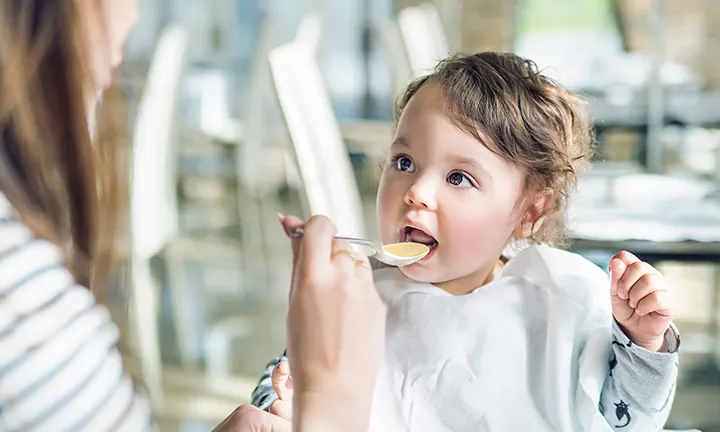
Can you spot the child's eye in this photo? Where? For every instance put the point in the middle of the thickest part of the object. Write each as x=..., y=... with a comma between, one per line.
x=403, y=163
x=460, y=180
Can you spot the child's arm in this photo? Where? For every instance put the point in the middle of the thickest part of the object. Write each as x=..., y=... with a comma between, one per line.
x=264, y=394
x=638, y=393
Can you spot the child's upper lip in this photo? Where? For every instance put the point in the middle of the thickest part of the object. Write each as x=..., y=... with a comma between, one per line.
x=417, y=225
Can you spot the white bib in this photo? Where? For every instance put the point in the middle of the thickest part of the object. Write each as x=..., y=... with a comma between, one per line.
x=527, y=352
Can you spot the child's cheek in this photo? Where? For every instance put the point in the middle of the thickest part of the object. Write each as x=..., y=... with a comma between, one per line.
x=479, y=237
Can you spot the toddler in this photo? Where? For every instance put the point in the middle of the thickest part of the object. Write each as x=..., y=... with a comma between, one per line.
x=486, y=150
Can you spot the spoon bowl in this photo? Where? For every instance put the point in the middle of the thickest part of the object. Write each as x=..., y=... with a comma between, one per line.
x=395, y=254
x=402, y=254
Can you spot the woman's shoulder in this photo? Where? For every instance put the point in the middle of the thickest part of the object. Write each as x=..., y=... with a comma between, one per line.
x=14, y=235
x=52, y=329
x=26, y=261
x=564, y=273
x=33, y=276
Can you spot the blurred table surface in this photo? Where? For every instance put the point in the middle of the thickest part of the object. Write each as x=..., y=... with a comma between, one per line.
x=690, y=108
x=658, y=217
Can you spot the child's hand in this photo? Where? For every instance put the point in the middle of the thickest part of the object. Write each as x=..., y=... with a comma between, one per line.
x=641, y=302
x=282, y=382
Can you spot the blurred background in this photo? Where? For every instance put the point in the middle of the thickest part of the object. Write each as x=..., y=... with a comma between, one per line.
x=244, y=108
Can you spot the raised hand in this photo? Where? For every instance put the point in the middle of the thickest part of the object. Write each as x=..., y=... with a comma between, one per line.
x=641, y=302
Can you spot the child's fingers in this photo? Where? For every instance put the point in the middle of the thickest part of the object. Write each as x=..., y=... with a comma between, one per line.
x=626, y=257
x=281, y=381
x=621, y=310
x=656, y=302
x=647, y=283
x=282, y=409
x=632, y=274
x=617, y=268
x=280, y=374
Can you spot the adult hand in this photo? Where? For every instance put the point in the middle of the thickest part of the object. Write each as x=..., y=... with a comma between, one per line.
x=247, y=418
x=641, y=302
x=336, y=331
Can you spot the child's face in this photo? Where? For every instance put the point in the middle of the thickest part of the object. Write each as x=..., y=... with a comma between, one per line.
x=443, y=182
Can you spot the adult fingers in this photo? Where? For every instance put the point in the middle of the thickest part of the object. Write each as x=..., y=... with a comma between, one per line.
x=290, y=223
x=317, y=243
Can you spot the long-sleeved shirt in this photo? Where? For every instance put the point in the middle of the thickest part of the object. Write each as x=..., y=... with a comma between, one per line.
x=556, y=294
x=60, y=369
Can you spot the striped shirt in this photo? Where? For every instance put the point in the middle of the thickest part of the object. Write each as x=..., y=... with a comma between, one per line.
x=60, y=369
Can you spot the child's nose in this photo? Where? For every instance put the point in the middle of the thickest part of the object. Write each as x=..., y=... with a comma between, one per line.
x=421, y=194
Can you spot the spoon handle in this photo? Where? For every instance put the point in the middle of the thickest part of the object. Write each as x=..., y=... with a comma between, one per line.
x=298, y=232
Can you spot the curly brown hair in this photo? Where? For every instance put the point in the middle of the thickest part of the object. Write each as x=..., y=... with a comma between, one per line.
x=528, y=119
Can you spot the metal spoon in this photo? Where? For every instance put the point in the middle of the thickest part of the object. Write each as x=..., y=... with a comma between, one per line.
x=381, y=253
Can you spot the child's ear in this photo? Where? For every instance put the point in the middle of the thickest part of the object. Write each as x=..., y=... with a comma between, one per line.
x=534, y=215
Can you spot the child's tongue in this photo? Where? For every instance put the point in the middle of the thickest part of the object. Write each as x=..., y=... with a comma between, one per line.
x=418, y=236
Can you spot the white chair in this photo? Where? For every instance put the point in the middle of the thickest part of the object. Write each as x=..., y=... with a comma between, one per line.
x=153, y=201
x=327, y=176
x=424, y=37
x=252, y=141
x=252, y=153
x=310, y=32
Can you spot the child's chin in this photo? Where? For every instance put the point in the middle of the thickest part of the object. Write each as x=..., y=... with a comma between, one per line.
x=417, y=272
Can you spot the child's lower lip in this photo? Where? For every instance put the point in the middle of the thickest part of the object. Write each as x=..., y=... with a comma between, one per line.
x=430, y=254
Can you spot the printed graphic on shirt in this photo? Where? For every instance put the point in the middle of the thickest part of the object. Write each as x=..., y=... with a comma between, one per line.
x=614, y=360
x=628, y=345
x=613, y=363
x=622, y=412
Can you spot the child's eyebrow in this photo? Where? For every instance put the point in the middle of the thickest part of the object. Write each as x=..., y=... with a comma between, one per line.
x=401, y=141
x=461, y=160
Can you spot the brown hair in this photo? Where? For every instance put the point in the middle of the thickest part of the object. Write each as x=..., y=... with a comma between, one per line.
x=66, y=188
x=525, y=117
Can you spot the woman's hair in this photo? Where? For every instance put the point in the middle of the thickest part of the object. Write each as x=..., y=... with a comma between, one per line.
x=523, y=116
x=68, y=188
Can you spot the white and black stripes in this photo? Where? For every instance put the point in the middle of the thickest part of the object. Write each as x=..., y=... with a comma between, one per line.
x=264, y=394
x=60, y=369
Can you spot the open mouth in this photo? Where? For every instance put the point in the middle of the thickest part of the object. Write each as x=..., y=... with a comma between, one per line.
x=416, y=235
